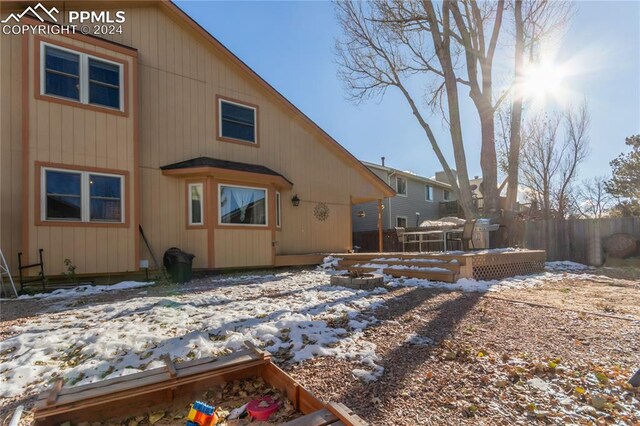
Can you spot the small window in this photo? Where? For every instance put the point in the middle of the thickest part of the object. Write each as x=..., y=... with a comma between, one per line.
x=82, y=196
x=401, y=221
x=428, y=193
x=401, y=185
x=104, y=83
x=196, y=205
x=81, y=77
x=242, y=205
x=278, y=210
x=63, y=195
x=62, y=73
x=237, y=121
x=106, y=198
x=446, y=195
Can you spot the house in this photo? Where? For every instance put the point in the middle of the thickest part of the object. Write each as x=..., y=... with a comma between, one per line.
x=417, y=198
x=159, y=125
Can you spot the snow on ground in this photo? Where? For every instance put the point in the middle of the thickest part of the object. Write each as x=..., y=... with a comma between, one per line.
x=565, y=265
x=295, y=316
x=86, y=290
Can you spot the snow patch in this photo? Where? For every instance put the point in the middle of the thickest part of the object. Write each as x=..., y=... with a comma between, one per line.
x=85, y=290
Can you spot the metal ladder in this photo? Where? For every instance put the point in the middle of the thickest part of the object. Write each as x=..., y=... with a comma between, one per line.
x=4, y=270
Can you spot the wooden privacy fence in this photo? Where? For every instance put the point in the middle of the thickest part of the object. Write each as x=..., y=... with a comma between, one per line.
x=579, y=240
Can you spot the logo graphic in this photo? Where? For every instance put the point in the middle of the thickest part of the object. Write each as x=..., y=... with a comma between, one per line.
x=47, y=13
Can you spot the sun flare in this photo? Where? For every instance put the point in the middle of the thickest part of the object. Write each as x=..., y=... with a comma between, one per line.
x=543, y=80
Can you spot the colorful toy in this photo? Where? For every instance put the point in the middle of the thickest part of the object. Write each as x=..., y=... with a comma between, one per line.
x=202, y=414
x=262, y=408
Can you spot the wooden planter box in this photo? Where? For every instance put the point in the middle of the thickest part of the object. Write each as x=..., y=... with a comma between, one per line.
x=141, y=392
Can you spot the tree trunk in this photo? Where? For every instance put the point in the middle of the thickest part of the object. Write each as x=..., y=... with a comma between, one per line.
x=515, y=140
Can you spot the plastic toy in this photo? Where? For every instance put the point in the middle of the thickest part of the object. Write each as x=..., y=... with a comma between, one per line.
x=262, y=408
x=202, y=414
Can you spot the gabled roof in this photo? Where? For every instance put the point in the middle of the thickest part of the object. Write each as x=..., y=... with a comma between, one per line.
x=331, y=143
x=409, y=175
x=223, y=164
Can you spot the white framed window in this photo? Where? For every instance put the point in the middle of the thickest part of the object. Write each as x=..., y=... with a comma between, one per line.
x=278, y=210
x=79, y=196
x=401, y=186
x=78, y=76
x=242, y=205
x=428, y=193
x=446, y=195
x=196, y=203
x=401, y=221
x=237, y=121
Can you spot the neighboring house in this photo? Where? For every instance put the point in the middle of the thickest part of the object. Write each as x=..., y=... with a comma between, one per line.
x=414, y=194
x=164, y=127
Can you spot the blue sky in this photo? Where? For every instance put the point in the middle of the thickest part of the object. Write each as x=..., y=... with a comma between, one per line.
x=290, y=44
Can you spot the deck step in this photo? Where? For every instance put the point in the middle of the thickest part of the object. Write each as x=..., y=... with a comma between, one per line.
x=453, y=267
x=377, y=257
x=448, y=277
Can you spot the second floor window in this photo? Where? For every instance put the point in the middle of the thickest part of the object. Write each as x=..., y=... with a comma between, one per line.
x=428, y=193
x=237, y=121
x=401, y=185
x=81, y=77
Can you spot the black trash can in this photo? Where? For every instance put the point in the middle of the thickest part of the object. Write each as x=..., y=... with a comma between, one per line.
x=179, y=264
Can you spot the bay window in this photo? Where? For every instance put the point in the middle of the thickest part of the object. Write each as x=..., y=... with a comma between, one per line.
x=240, y=205
x=195, y=202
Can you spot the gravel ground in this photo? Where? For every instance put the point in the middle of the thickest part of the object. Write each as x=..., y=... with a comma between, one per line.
x=482, y=365
x=468, y=358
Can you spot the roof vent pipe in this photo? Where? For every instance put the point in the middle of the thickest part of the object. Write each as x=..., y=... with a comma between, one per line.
x=382, y=158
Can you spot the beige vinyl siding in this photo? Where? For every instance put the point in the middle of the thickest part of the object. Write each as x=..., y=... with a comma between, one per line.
x=73, y=136
x=179, y=75
x=238, y=248
x=11, y=148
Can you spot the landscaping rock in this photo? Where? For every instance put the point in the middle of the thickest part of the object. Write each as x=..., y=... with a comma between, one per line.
x=598, y=402
x=538, y=384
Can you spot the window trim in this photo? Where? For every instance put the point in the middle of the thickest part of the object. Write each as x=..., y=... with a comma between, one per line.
x=85, y=196
x=243, y=225
x=406, y=221
x=256, y=129
x=39, y=77
x=406, y=186
x=428, y=194
x=40, y=195
x=190, y=223
x=444, y=195
x=278, y=207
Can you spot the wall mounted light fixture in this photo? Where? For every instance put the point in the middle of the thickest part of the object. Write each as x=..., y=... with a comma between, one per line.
x=295, y=201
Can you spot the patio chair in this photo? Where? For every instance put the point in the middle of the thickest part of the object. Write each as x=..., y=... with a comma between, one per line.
x=404, y=239
x=465, y=237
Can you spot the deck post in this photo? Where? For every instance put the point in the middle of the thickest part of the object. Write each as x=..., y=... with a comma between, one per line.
x=380, y=226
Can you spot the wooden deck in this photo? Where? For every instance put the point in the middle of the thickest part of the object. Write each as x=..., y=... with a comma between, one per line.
x=447, y=267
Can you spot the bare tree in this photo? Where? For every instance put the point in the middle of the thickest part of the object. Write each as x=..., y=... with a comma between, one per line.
x=445, y=46
x=593, y=200
x=550, y=160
